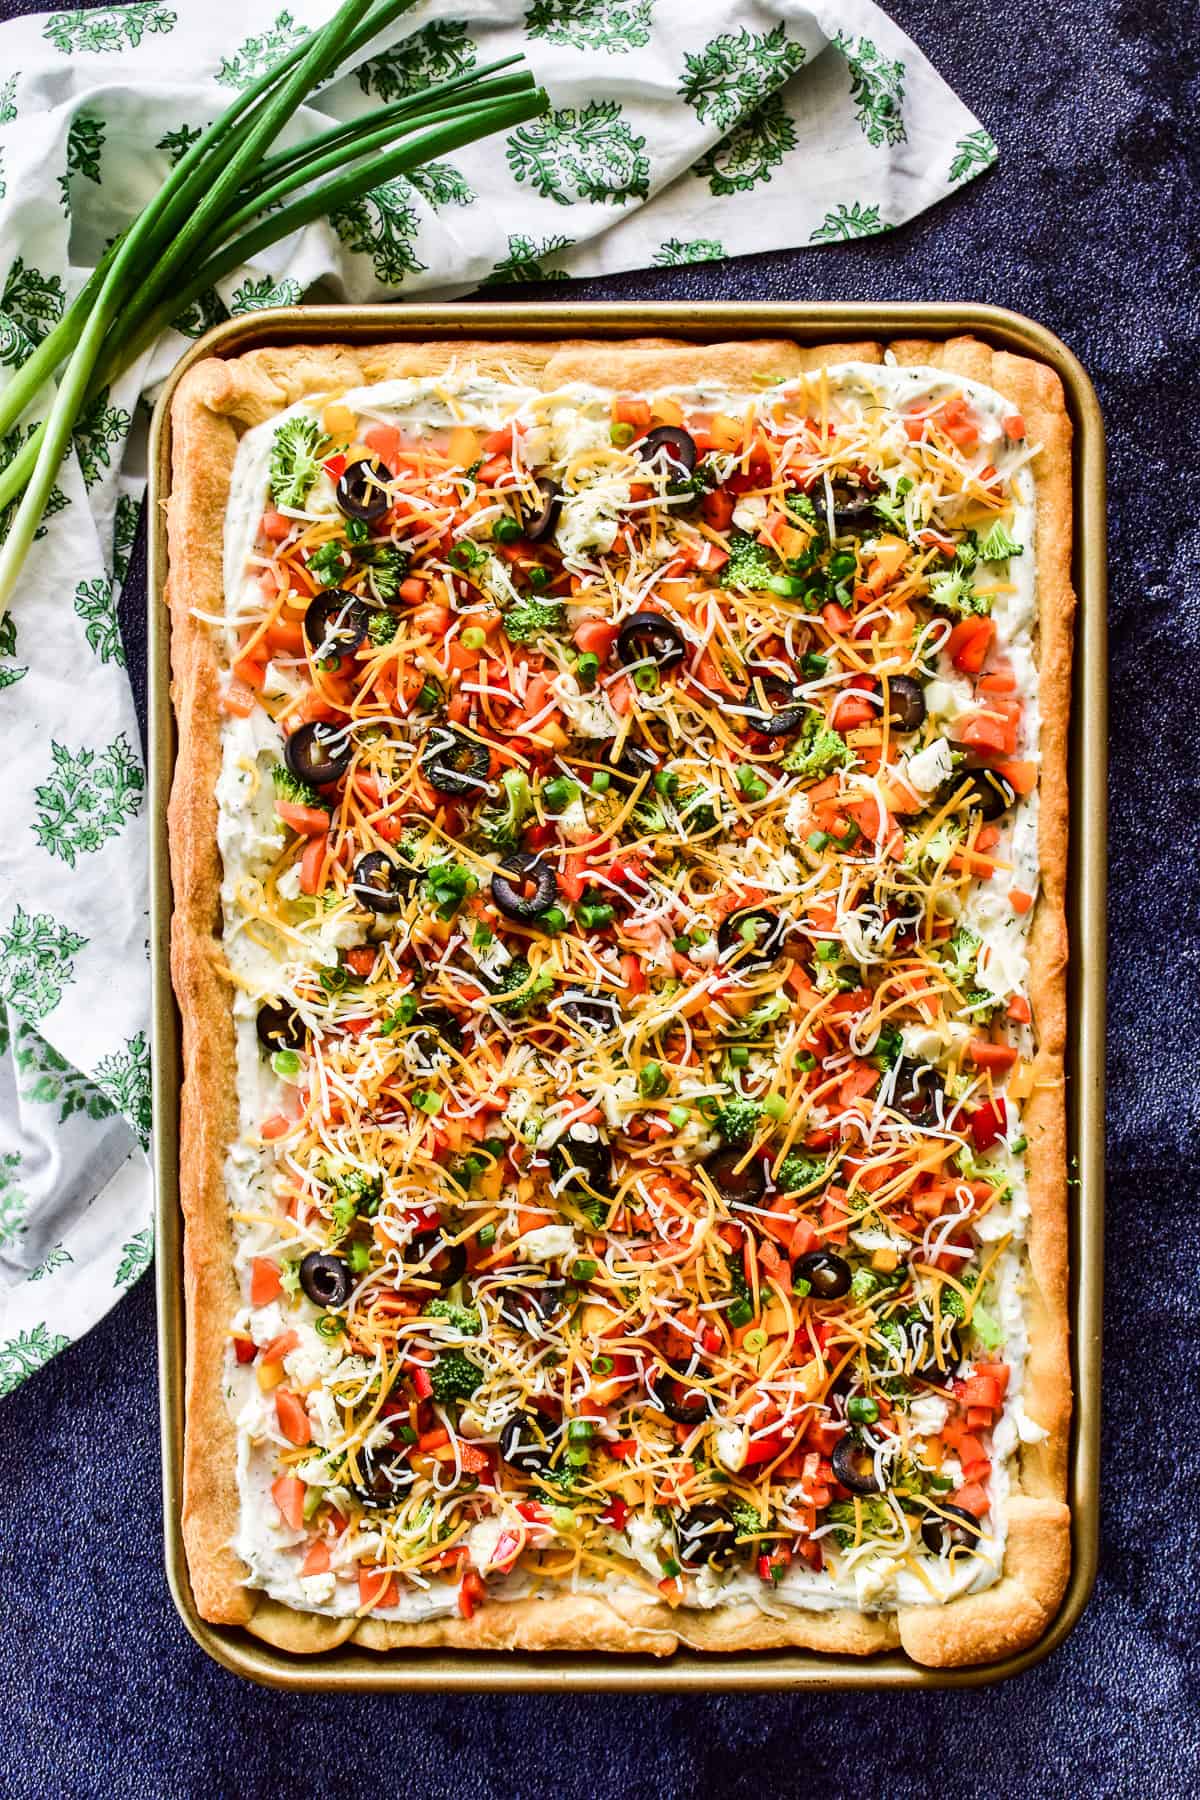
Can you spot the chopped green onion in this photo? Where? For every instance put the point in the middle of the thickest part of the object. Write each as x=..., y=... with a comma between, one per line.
x=739, y=1055
x=775, y=1106
x=285, y=1063
x=594, y=916
x=862, y=1410
x=740, y=1313
x=652, y=1083
x=506, y=530
x=602, y=1365
x=427, y=1102
x=586, y=670
x=621, y=433
x=487, y=1235
x=539, y=577
x=679, y=1117
x=584, y=1269
x=601, y=781
x=474, y=638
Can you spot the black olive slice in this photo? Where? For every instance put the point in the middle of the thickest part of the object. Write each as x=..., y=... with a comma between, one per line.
x=524, y=887
x=379, y=882
x=525, y=1307
x=636, y=760
x=335, y=624
x=582, y=1158
x=361, y=493
x=916, y=1091
x=679, y=1399
x=455, y=764
x=989, y=791
x=280, y=1027
x=746, y=1184
x=853, y=509
x=595, y=1012
x=447, y=1262
x=386, y=1477
x=828, y=1276
x=673, y=448
x=538, y=525
x=906, y=702
x=926, y=1362
x=651, y=636
x=756, y=936
x=788, y=709
x=854, y=1465
x=523, y=1445
x=325, y=1279
x=706, y=1537
x=318, y=753
x=436, y=1024
x=958, y=1527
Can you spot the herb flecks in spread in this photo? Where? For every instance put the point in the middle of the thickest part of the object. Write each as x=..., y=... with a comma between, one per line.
x=629, y=824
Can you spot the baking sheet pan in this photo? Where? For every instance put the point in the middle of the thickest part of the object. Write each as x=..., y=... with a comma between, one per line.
x=419, y=1671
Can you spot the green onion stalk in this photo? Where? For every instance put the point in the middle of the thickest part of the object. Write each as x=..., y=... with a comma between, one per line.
x=211, y=216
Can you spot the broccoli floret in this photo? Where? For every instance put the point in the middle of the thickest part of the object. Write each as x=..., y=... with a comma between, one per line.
x=357, y=1195
x=755, y=1022
x=533, y=619
x=738, y=1120
x=953, y=592
x=290, y=788
x=998, y=545
x=864, y=1285
x=383, y=627
x=454, y=1377
x=799, y=1171
x=648, y=818
x=877, y=1520
x=502, y=829
x=388, y=568
x=463, y=1318
x=962, y=956
x=698, y=809
x=518, y=980
x=801, y=507
x=817, y=750
x=746, y=1516
x=295, y=464
x=749, y=565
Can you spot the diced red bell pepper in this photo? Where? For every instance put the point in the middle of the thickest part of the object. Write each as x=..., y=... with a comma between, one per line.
x=471, y=1594
x=988, y=1123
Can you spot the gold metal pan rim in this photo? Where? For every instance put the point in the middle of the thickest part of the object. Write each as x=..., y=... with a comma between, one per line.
x=440, y=1671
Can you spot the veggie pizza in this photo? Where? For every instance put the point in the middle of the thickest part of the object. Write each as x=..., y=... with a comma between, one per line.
x=618, y=839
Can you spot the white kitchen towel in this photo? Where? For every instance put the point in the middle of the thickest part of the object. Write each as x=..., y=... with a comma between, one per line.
x=680, y=131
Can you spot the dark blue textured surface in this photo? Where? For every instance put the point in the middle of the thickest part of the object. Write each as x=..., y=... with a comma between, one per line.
x=1090, y=224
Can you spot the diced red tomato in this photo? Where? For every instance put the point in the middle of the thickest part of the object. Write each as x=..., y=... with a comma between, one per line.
x=968, y=644
x=265, y=1284
x=971, y=1497
x=317, y=1560
x=275, y=526
x=245, y=1349
x=280, y=1346
x=376, y=1588
x=716, y=509
x=596, y=636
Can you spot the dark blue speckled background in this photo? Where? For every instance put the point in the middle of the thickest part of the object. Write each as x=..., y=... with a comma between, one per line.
x=1090, y=224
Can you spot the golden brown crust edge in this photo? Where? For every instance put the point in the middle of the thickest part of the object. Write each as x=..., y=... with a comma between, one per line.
x=214, y=403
